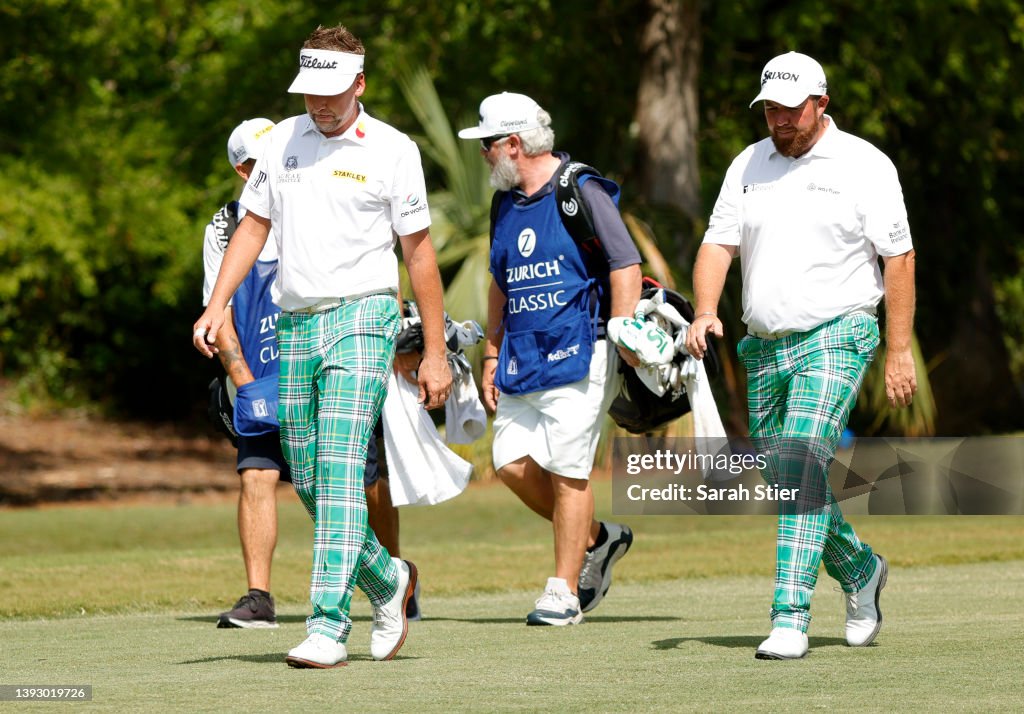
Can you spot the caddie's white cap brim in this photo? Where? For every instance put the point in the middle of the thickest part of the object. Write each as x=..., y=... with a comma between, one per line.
x=503, y=114
x=326, y=72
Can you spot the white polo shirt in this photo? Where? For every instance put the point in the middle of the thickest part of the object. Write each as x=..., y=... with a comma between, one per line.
x=336, y=205
x=810, y=230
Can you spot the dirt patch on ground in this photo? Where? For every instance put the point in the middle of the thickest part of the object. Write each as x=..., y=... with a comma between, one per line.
x=69, y=459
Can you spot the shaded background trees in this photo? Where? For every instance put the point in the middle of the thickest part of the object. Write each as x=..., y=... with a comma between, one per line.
x=115, y=117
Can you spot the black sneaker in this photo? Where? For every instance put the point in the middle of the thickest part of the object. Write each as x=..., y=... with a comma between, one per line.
x=596, y=574
x=254, y=609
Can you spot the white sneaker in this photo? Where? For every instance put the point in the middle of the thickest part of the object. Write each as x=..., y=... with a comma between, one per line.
x=783, y=643
x=319, y=652
x=390, y=624
x=596, y=573
x=557, y=606
x=863, y=616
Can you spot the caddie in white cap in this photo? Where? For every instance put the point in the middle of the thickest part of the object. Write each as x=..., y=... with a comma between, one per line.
x=246, y=142
x=249, y=356
x=548, y=373
x=810, y=211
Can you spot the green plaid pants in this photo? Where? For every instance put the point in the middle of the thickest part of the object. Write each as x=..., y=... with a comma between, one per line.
x=801, y=389
x=334, y=368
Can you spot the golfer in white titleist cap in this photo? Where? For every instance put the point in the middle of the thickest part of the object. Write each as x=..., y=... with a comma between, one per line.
x=810, y=210
x=337, y=185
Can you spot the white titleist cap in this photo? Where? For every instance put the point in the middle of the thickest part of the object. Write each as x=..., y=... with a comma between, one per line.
x=246, y=141
x=790, y=78
x=505, y=113
x=326, y=72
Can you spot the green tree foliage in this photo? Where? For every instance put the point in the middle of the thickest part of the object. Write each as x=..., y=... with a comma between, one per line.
x=933, y=85
x=116, y=114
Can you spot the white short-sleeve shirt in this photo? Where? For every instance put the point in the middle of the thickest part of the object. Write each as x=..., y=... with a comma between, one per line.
x=215, y=244
x=336, y=205
x=810, y=229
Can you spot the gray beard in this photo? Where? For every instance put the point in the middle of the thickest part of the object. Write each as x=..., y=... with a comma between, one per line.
x=505, y=174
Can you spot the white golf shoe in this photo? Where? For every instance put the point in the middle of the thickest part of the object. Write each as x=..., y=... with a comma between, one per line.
x=783, y=643
x=390, y=624
x=319, y=652
x=863, y=616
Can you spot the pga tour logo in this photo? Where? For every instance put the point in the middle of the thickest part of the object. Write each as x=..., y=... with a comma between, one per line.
x=259, y=408
x=527, y=242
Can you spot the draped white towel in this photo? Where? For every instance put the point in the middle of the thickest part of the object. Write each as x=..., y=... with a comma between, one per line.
x=708, y=430
x=422, y=470
x=464, y=416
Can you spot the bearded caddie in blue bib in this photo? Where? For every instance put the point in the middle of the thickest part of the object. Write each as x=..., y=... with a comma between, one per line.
x=548, y=373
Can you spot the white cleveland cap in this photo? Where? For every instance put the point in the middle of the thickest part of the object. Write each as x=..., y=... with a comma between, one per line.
x=790, y=78
x=326, y=72
x=504, y=113
x=247, y=140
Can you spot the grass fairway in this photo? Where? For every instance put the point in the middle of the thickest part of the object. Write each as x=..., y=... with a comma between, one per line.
x=124, y=599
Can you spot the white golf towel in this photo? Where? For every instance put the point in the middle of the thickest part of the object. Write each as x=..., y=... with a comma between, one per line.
x=464, y=416
x=422, y=470
x=708, y=430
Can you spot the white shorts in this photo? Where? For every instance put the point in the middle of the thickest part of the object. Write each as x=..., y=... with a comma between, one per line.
x=558, y=428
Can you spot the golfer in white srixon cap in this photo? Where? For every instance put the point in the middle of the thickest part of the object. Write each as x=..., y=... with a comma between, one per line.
x=337, y=185
x=810, y=209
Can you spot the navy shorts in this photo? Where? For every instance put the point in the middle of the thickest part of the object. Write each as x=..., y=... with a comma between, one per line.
x=376, y=465
x=263, y=452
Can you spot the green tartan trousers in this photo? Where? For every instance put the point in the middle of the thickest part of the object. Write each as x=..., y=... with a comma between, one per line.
x=334, y=369
x=800, y=391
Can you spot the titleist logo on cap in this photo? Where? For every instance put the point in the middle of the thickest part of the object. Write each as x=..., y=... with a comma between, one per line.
x=311, y=62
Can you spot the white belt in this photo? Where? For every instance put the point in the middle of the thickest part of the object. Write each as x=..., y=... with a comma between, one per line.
x=770, y=335
x=332, y=303
x=786, y=333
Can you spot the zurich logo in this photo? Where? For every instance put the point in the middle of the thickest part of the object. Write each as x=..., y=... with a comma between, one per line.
x=527, y=242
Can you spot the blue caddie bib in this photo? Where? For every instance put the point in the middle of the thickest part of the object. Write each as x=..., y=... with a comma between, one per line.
x=255, y=317
x=550, y=324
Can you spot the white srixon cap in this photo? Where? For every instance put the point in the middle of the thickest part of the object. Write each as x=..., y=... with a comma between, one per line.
x=326, y=72
x=505, y=113
x=790, y=78
x=247, y=140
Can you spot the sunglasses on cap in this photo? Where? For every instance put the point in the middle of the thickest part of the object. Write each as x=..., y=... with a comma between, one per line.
x=489, y=141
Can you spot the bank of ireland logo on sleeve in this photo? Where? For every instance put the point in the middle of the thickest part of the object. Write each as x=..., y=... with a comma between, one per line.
x=527, y=242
